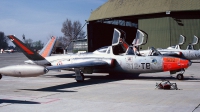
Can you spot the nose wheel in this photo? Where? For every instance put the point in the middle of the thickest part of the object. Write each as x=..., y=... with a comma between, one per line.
x=180, y=76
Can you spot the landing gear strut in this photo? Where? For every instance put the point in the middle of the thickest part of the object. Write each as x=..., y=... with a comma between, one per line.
x=79, y=75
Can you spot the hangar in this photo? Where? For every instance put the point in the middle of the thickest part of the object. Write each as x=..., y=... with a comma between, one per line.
x=162, y=20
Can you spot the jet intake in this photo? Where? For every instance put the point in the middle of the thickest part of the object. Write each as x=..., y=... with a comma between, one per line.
x=23, y=70
x=111, y=62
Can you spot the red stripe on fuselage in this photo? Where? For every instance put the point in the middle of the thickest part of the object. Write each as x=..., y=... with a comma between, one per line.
x=21, y=45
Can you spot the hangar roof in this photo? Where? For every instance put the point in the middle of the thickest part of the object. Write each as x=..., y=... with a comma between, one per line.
x=121, y=8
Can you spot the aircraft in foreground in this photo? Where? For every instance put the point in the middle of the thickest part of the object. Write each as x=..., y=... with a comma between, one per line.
x=176, y=51
x=110, y=59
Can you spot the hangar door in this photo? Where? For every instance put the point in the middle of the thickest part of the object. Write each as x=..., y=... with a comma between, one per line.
x=100, y=34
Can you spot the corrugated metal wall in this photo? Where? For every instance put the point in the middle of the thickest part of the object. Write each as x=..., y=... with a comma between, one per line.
x=186, y=27
x=157, y=30
x=165, y=32
x=122, y=8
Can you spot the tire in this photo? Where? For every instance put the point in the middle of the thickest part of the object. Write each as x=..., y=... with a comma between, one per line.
x=82, y=80
x=0, y=76
x=180, y=76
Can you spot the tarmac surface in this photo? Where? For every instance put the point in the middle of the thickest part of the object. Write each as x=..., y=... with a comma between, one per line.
x=59, y=92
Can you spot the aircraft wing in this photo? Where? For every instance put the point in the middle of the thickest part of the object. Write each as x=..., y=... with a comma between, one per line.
x=91, y=63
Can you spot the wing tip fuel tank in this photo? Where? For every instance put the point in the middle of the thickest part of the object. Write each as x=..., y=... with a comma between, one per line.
x=23, y=70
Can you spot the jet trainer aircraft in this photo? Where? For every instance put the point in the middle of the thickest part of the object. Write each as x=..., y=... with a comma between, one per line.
x=176, y=51
x=9, y=51
x=109, y=59
x=189, y=53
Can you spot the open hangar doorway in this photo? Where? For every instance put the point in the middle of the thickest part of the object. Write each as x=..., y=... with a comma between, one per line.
x=100, y=33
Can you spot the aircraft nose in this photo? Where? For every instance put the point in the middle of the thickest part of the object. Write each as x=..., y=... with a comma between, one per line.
x=171, y=63
x=185, y=63
x=189, y=63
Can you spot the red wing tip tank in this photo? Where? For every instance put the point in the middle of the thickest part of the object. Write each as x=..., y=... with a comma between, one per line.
x=23, y=70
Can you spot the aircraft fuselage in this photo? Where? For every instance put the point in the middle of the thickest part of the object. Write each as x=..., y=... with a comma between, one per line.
x=188, y=54
x=123, y=63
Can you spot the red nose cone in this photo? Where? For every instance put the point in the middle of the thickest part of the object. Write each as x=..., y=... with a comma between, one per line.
x=170, y=63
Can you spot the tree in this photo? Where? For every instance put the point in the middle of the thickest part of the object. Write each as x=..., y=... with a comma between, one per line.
x=3, y=41
x=28, y=42
x=72, y=31
x=37, y=45
x=62, y=41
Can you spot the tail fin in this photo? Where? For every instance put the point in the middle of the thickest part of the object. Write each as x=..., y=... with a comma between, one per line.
x=29, y=53
x=46, y=51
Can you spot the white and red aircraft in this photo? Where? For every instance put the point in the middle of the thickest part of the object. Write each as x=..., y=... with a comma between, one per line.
x=189, y=53
x=8, y=51
x=109, y=59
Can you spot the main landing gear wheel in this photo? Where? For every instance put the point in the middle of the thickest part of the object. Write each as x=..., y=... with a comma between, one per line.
x=79, y=75
x=0, y=76
x=180, y=76
x=80, y=78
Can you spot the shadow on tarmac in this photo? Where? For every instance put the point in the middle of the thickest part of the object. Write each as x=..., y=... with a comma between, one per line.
x=17, y=101
x=58, y=88
x=124, y=77
x=92, y=80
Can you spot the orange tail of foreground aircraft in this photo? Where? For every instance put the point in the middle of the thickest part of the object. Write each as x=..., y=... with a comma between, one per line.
x=32, y=55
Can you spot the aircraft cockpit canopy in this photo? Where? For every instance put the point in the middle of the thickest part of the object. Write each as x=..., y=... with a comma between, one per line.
x=117, y=35
x=154, y=52
x=116, y=46
x=140, y=39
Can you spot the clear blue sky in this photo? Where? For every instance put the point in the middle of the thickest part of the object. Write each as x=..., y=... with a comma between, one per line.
x=40, y=19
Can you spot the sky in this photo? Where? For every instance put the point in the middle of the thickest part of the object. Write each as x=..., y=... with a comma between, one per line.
x=40, y=19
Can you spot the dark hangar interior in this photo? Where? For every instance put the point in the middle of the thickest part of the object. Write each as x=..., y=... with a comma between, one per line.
x=163, y=20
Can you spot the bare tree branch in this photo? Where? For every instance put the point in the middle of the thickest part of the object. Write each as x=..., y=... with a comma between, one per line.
x=72, y=31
